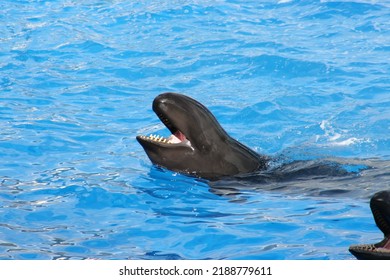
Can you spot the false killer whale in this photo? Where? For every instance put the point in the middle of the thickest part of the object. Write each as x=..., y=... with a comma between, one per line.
x=380, y=207
x=198, y=146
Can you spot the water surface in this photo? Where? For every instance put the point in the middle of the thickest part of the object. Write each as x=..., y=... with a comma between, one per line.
x=291, y=79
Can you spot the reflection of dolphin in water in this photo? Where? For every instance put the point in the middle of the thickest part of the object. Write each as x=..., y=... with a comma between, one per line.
x=380, y=207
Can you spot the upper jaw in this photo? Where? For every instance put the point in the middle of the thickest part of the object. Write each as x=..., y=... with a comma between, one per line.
x=380, y=207
x=160, y=108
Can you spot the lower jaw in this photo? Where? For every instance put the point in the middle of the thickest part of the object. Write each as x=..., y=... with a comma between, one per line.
x=378, y=251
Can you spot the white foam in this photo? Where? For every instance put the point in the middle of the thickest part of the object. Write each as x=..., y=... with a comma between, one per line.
x=347, y=142
x=334, y=138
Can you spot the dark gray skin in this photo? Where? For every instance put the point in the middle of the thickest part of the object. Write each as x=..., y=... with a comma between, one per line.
x=380, y=207
x=201, y=147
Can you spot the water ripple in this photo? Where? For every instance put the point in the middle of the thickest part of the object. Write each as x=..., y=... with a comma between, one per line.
x=296, y=80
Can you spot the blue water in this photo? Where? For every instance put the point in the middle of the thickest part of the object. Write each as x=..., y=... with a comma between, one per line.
x=298, y=79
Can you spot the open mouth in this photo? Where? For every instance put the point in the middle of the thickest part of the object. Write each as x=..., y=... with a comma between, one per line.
x=378, y=251
x=176, y=138
x=379, y=204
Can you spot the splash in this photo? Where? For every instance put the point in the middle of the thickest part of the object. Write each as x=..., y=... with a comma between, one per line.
x=335, y=138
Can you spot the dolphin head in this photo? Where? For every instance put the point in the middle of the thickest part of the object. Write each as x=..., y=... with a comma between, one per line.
x=380, y=207
x=198, y=145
